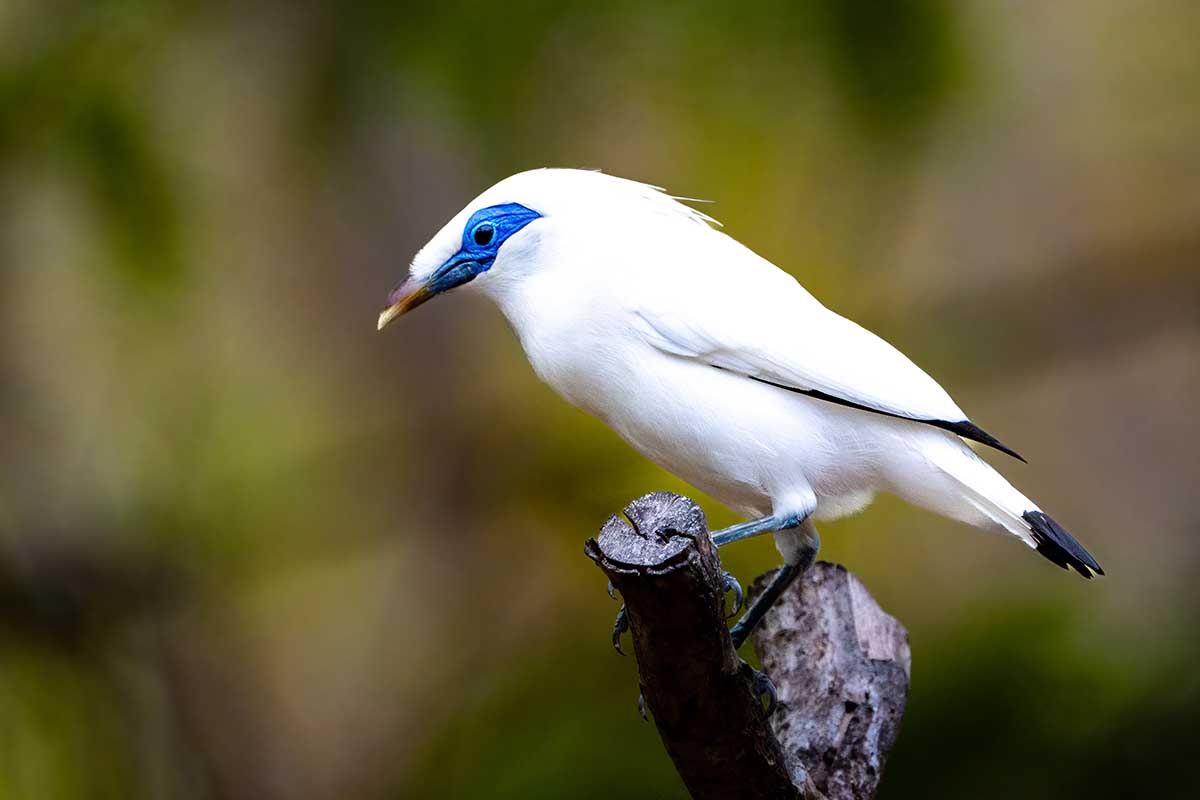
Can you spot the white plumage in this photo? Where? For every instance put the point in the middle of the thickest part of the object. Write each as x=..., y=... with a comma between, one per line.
x=713, y=362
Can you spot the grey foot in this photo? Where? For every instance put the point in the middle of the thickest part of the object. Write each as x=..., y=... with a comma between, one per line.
x=763, y=686
x=620, y=626
x=732, y=585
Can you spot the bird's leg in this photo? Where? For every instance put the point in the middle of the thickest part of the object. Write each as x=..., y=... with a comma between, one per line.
x=801, y=560
x=782, y=579
x=755, y=527
x=779, y=582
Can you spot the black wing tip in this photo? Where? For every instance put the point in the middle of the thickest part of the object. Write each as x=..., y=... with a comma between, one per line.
x=1058, y=546
x=969, y=430
x=964, y=428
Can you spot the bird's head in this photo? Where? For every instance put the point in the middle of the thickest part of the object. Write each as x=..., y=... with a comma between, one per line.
x=503, y=235
x=484, y=235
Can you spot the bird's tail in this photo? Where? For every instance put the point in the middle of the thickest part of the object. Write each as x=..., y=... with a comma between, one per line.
x=971, y=491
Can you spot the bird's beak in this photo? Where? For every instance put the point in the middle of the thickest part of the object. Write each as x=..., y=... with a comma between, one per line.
x=404, y=297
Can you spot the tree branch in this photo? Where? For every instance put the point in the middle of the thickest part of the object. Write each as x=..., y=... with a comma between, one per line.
x=838, y=662
x=702, y=699
x=841, y=667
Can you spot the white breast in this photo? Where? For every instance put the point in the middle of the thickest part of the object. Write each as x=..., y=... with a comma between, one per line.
x=751, y=446
x=754, y=447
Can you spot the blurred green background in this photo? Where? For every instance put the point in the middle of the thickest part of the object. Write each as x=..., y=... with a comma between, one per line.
x=250, y=548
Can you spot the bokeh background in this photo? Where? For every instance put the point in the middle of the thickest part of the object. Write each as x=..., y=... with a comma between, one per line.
x=251, y=549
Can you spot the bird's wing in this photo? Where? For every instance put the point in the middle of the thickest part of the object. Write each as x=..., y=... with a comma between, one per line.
x=766, y=327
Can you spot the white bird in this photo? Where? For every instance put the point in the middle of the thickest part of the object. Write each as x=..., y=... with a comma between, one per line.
x=718, y=366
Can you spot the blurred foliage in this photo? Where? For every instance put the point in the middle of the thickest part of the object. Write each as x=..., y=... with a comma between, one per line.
x=73, y=89
x=248, y=548
x=896, y=63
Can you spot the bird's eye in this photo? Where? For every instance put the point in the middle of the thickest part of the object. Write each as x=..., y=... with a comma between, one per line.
x=484, y=233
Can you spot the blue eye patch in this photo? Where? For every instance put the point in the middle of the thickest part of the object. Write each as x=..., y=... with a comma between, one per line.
x=485, y=231
x=490, y=227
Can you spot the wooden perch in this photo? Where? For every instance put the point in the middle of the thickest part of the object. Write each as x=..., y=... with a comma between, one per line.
x=840, y=665
x=841, y=668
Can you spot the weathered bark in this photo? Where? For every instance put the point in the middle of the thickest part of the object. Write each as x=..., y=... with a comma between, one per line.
x=840, y=665
x=713, y=725
x=841, y=668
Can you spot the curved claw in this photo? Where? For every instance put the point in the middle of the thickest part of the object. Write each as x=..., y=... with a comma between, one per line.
x=620, y=626
x=642, y=707
x=612, y=592
x=763, y=685
x=732, y=585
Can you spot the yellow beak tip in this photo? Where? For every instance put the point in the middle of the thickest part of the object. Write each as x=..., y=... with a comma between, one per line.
x=387, y=316
x=405, y=298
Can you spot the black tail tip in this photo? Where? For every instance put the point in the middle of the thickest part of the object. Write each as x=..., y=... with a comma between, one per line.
x=969, y=430
x=1058, y=546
